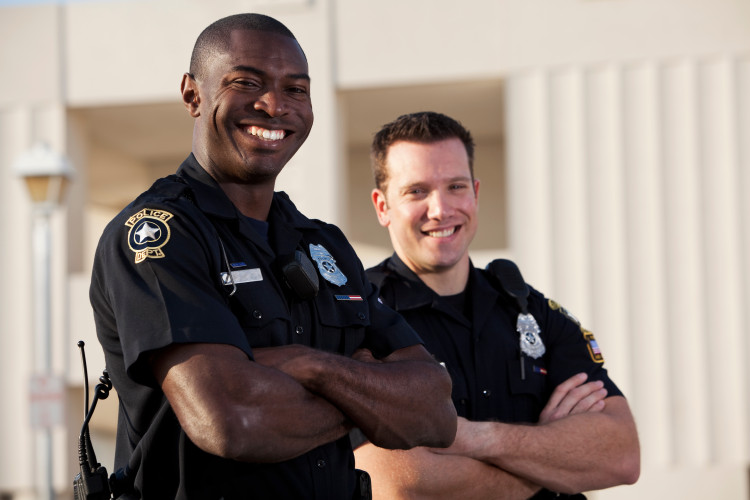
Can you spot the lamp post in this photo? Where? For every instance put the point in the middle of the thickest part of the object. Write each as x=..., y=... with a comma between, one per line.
x=46, y=175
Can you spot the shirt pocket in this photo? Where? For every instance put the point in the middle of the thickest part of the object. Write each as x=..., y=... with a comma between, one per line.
x=262, y=314
x=342, y=322
x=529, y=391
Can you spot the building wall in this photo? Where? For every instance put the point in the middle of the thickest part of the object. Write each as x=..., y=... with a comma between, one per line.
x=621, y=143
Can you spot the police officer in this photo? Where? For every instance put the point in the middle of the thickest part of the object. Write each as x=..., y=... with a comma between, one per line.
x=515, y=357
x=244, y=339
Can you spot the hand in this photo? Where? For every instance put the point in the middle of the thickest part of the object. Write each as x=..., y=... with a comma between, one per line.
x=574, y=396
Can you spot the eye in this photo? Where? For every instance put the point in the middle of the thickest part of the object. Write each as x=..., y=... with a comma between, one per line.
x=298, y=91
x=245, y=83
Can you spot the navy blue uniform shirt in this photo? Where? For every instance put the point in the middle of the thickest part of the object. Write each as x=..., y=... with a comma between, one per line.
x=161, y=277
x=479, y=344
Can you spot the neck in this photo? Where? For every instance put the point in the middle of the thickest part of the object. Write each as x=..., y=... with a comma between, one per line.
x=252, y=200
x=447, y=282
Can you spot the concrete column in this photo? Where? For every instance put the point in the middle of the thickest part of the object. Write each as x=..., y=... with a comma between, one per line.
x=644, y=225
x=687, y=341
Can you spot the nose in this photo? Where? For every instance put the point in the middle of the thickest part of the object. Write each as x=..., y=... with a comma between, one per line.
x=271, y=102
x=438, y=206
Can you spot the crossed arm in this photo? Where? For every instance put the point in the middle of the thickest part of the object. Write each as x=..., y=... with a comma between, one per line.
x=582, y=442
x=292, y=399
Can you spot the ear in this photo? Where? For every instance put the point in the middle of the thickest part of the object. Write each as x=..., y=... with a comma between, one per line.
x=381, y=207
x=476, y=189
x=190, y=95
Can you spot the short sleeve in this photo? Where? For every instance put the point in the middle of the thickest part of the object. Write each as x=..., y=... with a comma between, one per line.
x=156, y=282
x=571, y=348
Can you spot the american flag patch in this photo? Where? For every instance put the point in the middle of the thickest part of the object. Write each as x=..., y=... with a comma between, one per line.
x=357, y=298
x=539, y=369
x=595, y=346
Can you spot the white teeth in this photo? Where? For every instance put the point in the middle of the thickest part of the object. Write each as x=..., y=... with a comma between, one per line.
x=268, y=135
x=442, y=234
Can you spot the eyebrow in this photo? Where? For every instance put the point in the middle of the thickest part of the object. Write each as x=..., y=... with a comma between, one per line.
x=259, y=72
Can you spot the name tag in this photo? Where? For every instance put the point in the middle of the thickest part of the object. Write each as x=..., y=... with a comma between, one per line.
x=242, y=276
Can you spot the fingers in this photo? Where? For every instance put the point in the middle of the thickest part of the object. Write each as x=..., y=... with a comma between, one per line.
x=574, y=396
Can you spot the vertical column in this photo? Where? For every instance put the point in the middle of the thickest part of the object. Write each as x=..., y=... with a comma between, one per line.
x=682, y=229
x=743, y=125
x=645, y=261
x=606, y=220
x=528, y=178
x=721, y=221
x=568, y=187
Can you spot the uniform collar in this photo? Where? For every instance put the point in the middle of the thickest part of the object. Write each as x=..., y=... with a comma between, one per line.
x=286, y=223
x=410, y=292
x=212, y=200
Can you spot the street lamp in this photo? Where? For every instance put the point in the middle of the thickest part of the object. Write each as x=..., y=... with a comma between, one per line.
x=46, y=175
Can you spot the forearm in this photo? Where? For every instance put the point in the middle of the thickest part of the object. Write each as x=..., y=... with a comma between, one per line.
x=401, y=402
x=244, y=411
x=582, y=452
x=421, y=474
x=398, y=404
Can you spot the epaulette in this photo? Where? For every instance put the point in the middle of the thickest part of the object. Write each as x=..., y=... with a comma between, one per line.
x=170, y=187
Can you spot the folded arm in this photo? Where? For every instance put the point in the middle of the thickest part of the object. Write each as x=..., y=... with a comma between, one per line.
x=580, y=452
x=582, y=442
x=421, y=474
x=235, y=408
x=398, y=402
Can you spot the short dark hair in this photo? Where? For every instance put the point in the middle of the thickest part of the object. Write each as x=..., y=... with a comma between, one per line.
x=423, y=127
x=215, y=38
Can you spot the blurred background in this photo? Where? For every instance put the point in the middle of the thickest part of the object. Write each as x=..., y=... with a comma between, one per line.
x=613, y=147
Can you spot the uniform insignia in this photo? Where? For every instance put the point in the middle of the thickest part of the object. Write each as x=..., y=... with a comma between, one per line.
x=355, y=298
x=528, y=330
x=148, y=233
x=540, y=370
x=557, y=307
x=327, y=265
x=241, y=276
x=591, y=343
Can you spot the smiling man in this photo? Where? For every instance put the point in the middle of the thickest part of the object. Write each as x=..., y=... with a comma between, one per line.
x=244, y=339
x=513, y=363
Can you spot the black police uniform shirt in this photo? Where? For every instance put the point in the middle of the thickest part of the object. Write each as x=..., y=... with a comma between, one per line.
x=480, y=347
x=161, y=277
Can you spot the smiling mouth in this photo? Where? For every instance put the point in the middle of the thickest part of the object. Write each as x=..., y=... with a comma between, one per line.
x=442, y=234
x=266, y=134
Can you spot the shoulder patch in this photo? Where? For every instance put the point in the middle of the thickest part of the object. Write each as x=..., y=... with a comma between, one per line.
x=557, y=307
x=593, y=346
x=591, y=343
x=148, y=233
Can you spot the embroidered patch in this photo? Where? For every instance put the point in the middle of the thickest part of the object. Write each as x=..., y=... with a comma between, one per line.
x=593, y=346
x=149, y=232
x=557, y=307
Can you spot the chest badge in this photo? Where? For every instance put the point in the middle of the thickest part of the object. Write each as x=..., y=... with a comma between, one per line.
x=327, y=265
x=531, y=342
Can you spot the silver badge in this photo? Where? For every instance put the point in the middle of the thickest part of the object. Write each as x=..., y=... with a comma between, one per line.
x=327, y=265
x=531, y=342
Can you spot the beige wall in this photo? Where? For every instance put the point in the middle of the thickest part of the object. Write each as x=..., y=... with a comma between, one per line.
x=614, y=150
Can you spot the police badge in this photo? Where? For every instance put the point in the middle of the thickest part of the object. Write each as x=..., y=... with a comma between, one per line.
x=528, y=330
x=327, y=265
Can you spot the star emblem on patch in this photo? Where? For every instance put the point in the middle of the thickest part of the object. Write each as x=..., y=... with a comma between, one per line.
x=149, y=232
